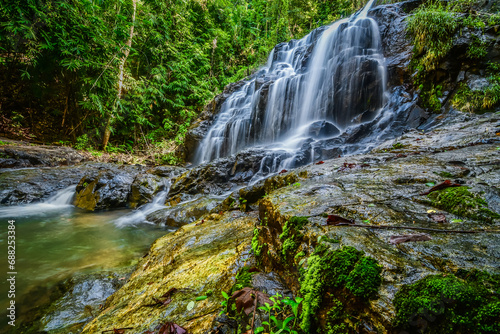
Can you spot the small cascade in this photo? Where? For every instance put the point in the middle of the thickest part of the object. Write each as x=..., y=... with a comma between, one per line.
x=139, y=216
x=311, y=90
x=60, y=201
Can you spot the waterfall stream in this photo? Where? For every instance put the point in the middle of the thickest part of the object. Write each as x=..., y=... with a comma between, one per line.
x=310, y=91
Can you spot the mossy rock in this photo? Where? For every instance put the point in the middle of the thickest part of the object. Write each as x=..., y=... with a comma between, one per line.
x=450, y=304
x=345, y=272
x=462, y=202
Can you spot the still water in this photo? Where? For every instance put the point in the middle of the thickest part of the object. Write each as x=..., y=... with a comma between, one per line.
x=55, y=240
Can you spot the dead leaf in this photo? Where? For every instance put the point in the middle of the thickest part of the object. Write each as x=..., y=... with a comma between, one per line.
x=337, y=220
x=437, y=217
x=169, y=328
x=398, y=239
x=320, y=162
x=444, y=185
x=283, y=171
x=245, y=299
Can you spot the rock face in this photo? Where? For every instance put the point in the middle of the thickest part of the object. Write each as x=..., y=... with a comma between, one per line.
x=143, y=188
x=29, y=185
x=384, y=191
x=197, y=260
x=106, y=188
x=72, y=303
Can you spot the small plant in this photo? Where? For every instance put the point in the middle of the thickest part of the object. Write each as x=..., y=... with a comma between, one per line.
x=83, y=142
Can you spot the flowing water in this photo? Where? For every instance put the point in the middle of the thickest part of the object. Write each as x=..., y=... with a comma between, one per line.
x=55, y=240
x=311, y=90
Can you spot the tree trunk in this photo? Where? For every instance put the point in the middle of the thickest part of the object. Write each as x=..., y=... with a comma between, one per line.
x=121, y=70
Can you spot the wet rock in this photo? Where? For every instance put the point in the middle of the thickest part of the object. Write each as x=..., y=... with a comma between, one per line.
x=23, y=186
x=106, y=188
x=183, y=213
x=387, y=191
x=322, y=129
x=68, y=305
x=194, y=259
x=143, y=188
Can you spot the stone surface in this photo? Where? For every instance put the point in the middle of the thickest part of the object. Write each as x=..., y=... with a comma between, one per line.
x=194, y=259
x=107, y=187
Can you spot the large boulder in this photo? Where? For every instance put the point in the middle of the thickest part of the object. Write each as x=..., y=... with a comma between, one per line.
x=24, y=186
x=106, y=188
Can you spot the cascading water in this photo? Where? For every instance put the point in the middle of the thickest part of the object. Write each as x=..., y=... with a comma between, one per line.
x=139, y=215
x=310, y=90
x=62, y=200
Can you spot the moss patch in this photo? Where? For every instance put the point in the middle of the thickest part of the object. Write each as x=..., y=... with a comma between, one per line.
x=346, y=271
x=291, y=235
x=243, y=280
x=462, y=202
x=256, y=247
x=450, y=304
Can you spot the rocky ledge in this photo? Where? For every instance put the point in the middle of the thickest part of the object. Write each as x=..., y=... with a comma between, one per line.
x=399, y=239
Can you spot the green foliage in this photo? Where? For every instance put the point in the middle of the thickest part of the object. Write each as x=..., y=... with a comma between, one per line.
x=432, y=27
x=243, y=280
x=397, y=146
x=450, y=304
x=333, y=270
x=61, y=60
x=480, y=100
x=83, y=143
x=335, y=319
x=460, y=201
x=280, y=319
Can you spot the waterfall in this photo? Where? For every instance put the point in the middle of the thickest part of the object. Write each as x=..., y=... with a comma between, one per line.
x=139, y=215
x=310, y=90
x=62, y=200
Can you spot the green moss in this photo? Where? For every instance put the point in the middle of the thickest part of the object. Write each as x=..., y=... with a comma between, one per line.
x=449, y=304
x=397, y=146
x=291, y=235
x=299, y=255
x=364, y=280
x=243, y=280
x=335, y=319
x=460, y=201
x=256, y=247
x=332, y=271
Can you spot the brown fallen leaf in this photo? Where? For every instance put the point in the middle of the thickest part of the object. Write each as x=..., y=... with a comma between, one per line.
x=337, y=220
x=444, y=185
x=320, y=162
x=437, y=217
x=283, y=171
x=398, y=239
x=245, y=299
x=168, y=328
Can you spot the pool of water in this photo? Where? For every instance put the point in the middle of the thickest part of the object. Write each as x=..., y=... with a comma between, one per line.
x=55, y=240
